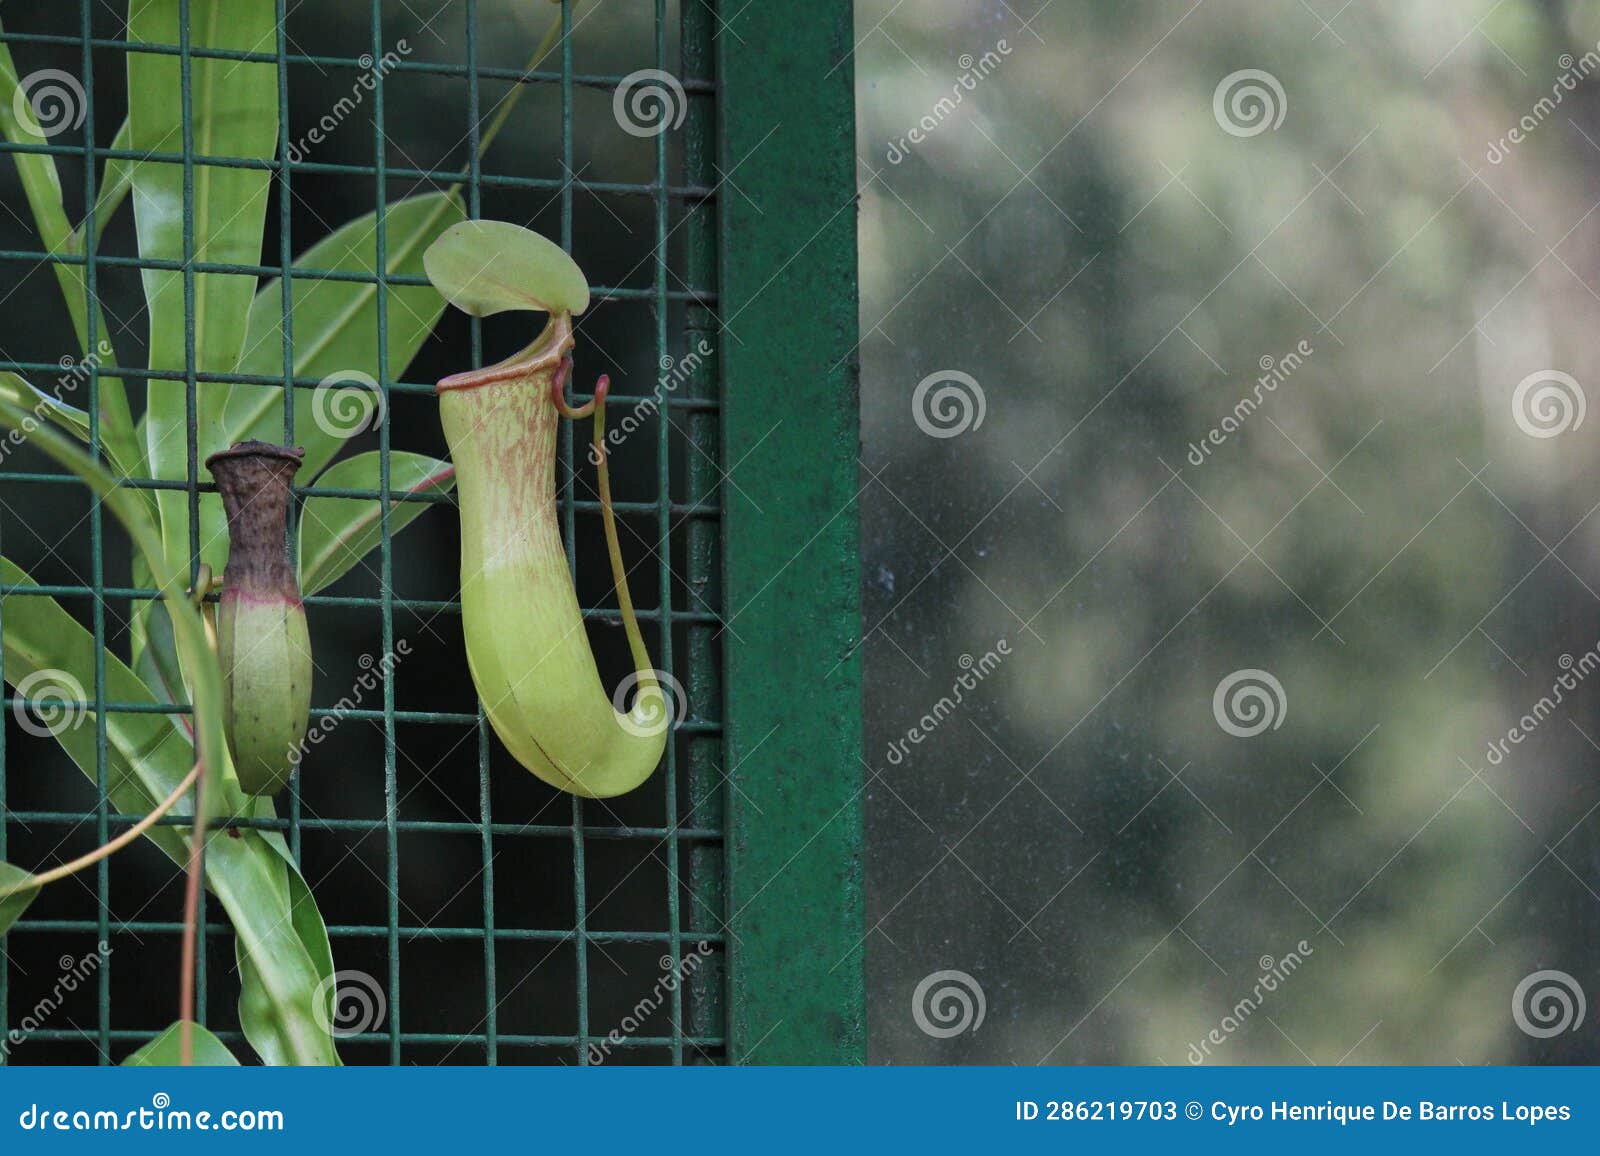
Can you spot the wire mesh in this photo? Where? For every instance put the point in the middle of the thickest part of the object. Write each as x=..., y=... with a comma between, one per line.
x=668, y=839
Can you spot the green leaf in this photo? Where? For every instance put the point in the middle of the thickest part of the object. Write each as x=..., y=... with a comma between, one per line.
x=233, y=111
x=194, y=647
x=20, y=393
x=166, y=1050
x=335, y=328
x=486, y=267
x=115, y=185
x=16, y=892
x=336, y=533
x=41, y=185
x=259, y=1015
x=285, y=960
x=157, y=661
x=146, y=756
x=68, y=417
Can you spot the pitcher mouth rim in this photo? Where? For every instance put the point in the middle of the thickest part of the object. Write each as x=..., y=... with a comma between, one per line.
x=258, y=449
x=546, y=352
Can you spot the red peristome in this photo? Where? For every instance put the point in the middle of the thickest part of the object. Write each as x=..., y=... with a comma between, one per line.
x=252, y=597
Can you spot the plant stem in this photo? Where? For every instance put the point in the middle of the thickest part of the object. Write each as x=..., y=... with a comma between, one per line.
x=191, y=920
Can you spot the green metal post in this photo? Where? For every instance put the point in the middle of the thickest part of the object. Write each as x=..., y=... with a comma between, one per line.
x=790, y=432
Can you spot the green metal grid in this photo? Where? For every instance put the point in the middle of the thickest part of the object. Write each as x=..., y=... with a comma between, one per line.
x=719, y=65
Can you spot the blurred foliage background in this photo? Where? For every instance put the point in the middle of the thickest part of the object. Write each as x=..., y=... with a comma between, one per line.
x=1082, y=237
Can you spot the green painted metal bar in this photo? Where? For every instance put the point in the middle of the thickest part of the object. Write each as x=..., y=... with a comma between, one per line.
x=788, y=298
x=707, y=983
x=286, y=306
x=97, y=561
x=355, y=64
x=391, y=785
x=447, y=717
x=565, y=466
x=374, y=931
x=38, y=257
x=665, y=431
x=421, y=605
x=491, y=1003
x=431, y=826
x=130, y=1036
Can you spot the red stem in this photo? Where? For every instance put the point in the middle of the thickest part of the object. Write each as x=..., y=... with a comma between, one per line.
x=191, y=919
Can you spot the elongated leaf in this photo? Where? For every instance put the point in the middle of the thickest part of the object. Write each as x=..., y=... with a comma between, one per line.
x=115, y=185
x=18, y=893
x=336, y=533
x=199, y=660
x=68, y=417
x=335, y=328
x=233, y=112
x=42, y=187
x=146, y=757
x=260, y=1016
x=157, y=661
x=20, y=393
x=486, y=267
x=166, y=1050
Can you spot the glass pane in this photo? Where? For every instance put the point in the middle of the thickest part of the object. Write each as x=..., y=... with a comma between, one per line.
x=1231, y=582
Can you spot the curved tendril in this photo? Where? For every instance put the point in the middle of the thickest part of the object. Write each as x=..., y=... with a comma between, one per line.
x=558, y=393
x=619, y=575
x=113, y=846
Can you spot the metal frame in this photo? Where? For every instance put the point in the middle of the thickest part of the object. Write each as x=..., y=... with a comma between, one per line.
x=789, y=880
x=791, y=427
